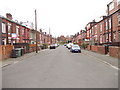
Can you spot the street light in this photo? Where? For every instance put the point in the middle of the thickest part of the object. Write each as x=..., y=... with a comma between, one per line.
x=0, y=30
x=36, y=30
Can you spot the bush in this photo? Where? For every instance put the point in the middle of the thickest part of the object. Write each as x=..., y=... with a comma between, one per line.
x=75, y=43
x=84, y=45
x=45, y=45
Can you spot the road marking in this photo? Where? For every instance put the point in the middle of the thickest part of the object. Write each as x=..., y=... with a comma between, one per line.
x=5, y=65
x=16, y=62
x=103, y=62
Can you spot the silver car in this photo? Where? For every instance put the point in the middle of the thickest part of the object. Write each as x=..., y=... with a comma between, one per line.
x=75, y=48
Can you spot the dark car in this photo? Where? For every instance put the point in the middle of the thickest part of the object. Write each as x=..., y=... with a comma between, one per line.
x=52, y=46
x=75, y=48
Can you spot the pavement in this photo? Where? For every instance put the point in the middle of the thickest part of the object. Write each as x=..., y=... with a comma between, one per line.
x=112, y=61
x=59, y=68
x=10, y=61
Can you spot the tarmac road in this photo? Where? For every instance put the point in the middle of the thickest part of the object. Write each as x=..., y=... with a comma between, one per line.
x=59, y=68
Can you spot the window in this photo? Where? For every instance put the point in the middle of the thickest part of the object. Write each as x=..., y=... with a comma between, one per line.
x=114, y=36
x=110, y=23
x=118, y=2
x=106, y=23
x=118, y=20
x=92, y=30
x=4, y=41
x=111, y=6
x=100, y=27
x=95, y=29
x=23, y=31
x=9, y=28
x=3, y=28
x=17, y=30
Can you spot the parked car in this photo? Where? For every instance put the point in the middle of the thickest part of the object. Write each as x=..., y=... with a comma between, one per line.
x=75, y=48
x=69, y=45
x=52, y=46
x=64, y=44
x=56, y=44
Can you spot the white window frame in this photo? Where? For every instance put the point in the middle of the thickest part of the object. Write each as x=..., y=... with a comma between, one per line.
x=118, y=2
x=110, y=24
x=3, y=27
x=101, y=27
x=111, y=6
x=106, y=24
x=95, y=29
x=118, y=20
x=17, y=30
x=9, y=28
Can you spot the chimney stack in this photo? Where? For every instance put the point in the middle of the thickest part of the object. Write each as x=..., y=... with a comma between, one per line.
x=9, y=16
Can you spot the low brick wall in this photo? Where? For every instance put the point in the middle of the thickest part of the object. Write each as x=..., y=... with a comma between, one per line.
x=89, y=47
x=98, y=49
x=0, y=52
x=102, y=50
x=94, y=48
x=5, y=51
x=114, y=51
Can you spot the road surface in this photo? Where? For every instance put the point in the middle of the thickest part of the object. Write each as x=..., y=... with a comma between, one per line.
x=59, y=68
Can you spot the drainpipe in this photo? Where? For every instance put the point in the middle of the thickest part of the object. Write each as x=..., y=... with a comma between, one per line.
x=111, y=30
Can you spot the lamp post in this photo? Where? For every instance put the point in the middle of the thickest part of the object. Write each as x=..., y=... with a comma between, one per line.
x=36, y=29
x=0, y=30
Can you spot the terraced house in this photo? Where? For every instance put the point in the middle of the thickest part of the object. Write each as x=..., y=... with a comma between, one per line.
x=105, y=32
x=14, y=34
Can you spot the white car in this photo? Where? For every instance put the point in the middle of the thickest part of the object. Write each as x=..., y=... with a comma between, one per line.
x=69, y=45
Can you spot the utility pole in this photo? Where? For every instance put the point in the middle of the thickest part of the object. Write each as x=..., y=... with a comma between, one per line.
x=0, y=30
x=36, y=30
x=49, y=37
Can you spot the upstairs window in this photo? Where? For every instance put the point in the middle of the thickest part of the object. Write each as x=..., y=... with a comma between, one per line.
x=95, y=29
x=100, y=27
x=111, y=6
x=3, y=28
x=9, y=28
x=17, y=30
x=118, y=20
x=106, y=23
x=110, y=23
x=118, y=2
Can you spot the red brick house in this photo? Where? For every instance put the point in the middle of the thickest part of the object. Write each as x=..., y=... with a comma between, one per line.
x=13, y=32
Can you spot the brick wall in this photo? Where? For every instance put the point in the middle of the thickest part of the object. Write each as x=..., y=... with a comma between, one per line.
x=99, y=49
x=102, y=50
x=114, y=51
x=0, y=52
x=94, y=48
x=6, y=51
x=89, y=47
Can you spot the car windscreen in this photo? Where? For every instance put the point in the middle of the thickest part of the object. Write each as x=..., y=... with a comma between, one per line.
x=76, y=47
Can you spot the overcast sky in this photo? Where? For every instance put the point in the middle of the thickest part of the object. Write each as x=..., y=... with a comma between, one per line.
x=64, y=17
